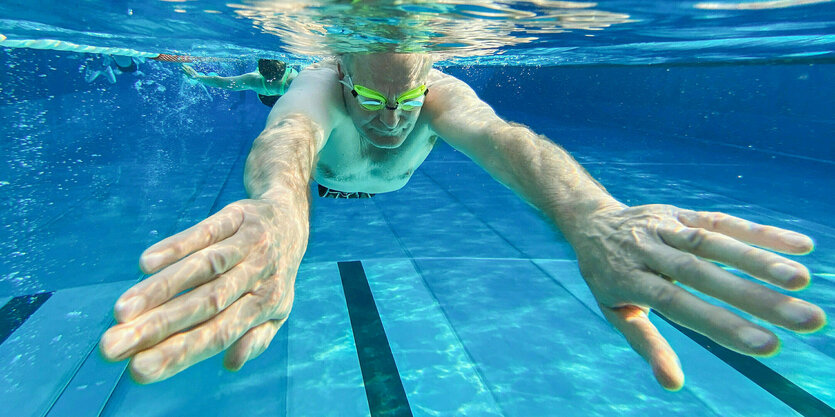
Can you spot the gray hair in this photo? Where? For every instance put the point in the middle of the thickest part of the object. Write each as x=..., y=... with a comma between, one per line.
x=422, y=62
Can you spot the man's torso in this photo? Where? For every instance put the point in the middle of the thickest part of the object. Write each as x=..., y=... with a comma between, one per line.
x=349, y=163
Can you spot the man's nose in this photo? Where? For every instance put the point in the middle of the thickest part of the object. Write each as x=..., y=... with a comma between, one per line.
x=390, y=117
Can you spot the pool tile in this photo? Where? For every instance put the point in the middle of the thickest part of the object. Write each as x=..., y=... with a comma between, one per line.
x=717, y=384
x=435, y=369
x=349, y=229
x=324, y=376
x=44, y=353
x=207, y=388
x=503, y=211
x=541, y=351
x=430, y=223
x=90, y=387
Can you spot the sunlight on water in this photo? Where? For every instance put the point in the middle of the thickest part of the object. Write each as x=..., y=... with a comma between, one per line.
x=757, y=5
x=460, y=28
x=483, y=32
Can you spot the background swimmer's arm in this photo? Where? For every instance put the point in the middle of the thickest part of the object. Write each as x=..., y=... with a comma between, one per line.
x=632, y=257
x=250, y=81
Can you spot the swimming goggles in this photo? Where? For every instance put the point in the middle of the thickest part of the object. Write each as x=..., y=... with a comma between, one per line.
x=374, y=100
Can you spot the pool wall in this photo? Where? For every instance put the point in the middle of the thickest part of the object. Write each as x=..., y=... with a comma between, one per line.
x=781, y=108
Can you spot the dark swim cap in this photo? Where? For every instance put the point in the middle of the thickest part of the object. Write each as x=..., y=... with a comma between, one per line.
x=271, y=69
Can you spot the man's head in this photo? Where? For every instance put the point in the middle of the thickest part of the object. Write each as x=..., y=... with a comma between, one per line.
x=390, y=74
x=271, y=69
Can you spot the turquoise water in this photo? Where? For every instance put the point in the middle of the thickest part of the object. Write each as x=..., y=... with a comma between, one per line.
x=480, y=302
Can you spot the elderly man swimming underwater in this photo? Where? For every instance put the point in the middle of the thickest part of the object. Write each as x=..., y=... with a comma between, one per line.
x=361, y=125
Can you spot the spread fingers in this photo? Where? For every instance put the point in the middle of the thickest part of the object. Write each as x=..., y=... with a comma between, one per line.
x=710, y=279
x=759, y=263
x=769, y=237
x=717, y=323
x=182, y=350
x=193, y=271
x=189, y=309
x=208, y=232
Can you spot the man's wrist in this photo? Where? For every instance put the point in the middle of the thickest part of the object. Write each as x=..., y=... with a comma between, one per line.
x=285, y=194
x=574, y=215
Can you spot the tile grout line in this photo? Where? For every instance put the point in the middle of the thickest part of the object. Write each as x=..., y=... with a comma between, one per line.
x=78, y=367
x=479, y=373
x=469, y=210
x=412, y=260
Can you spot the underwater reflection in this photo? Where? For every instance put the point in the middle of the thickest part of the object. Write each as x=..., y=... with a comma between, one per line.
x=460, y=27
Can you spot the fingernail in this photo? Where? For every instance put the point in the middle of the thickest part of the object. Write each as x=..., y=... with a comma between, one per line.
x=150, y=262
x=148, y=363
x=802, y=314
x=799, y=241
x=783, y=272
x=117, y=342
x=130, y=308
x=755, y=339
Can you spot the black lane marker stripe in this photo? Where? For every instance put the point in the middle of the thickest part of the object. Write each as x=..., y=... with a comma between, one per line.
x=383, y=387
x=17, y=310
x=786, y=391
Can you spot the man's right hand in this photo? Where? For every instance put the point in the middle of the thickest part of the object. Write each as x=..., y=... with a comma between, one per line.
x=225, y=283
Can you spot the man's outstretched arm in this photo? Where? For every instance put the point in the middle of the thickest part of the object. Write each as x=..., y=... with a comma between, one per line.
x=227, y=283
x=631, y=257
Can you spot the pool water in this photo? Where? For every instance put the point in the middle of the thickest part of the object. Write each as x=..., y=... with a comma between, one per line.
x=449, y=297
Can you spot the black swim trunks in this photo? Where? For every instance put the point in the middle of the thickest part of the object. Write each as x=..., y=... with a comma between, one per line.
x=268, y=101
x=329, y=193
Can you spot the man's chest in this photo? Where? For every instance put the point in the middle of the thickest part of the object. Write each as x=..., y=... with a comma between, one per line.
x=349, y=163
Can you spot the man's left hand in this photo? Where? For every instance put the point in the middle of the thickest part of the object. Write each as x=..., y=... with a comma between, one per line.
x=632, y=257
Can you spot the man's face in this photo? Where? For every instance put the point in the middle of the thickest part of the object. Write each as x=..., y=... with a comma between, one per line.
x=391, y=75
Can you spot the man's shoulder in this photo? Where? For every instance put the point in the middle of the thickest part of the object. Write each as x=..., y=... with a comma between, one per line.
x=446, y=88
x=445, y=92
x=324, y=64
x=314, y=93
x=323, y=71
x=319, y=80
x=438, y=77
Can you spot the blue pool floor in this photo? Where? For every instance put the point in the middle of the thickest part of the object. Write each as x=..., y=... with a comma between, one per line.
x=483, y=308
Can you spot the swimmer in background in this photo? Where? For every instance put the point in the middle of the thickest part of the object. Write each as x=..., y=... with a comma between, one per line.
x=113, y=65
x=270, y=81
